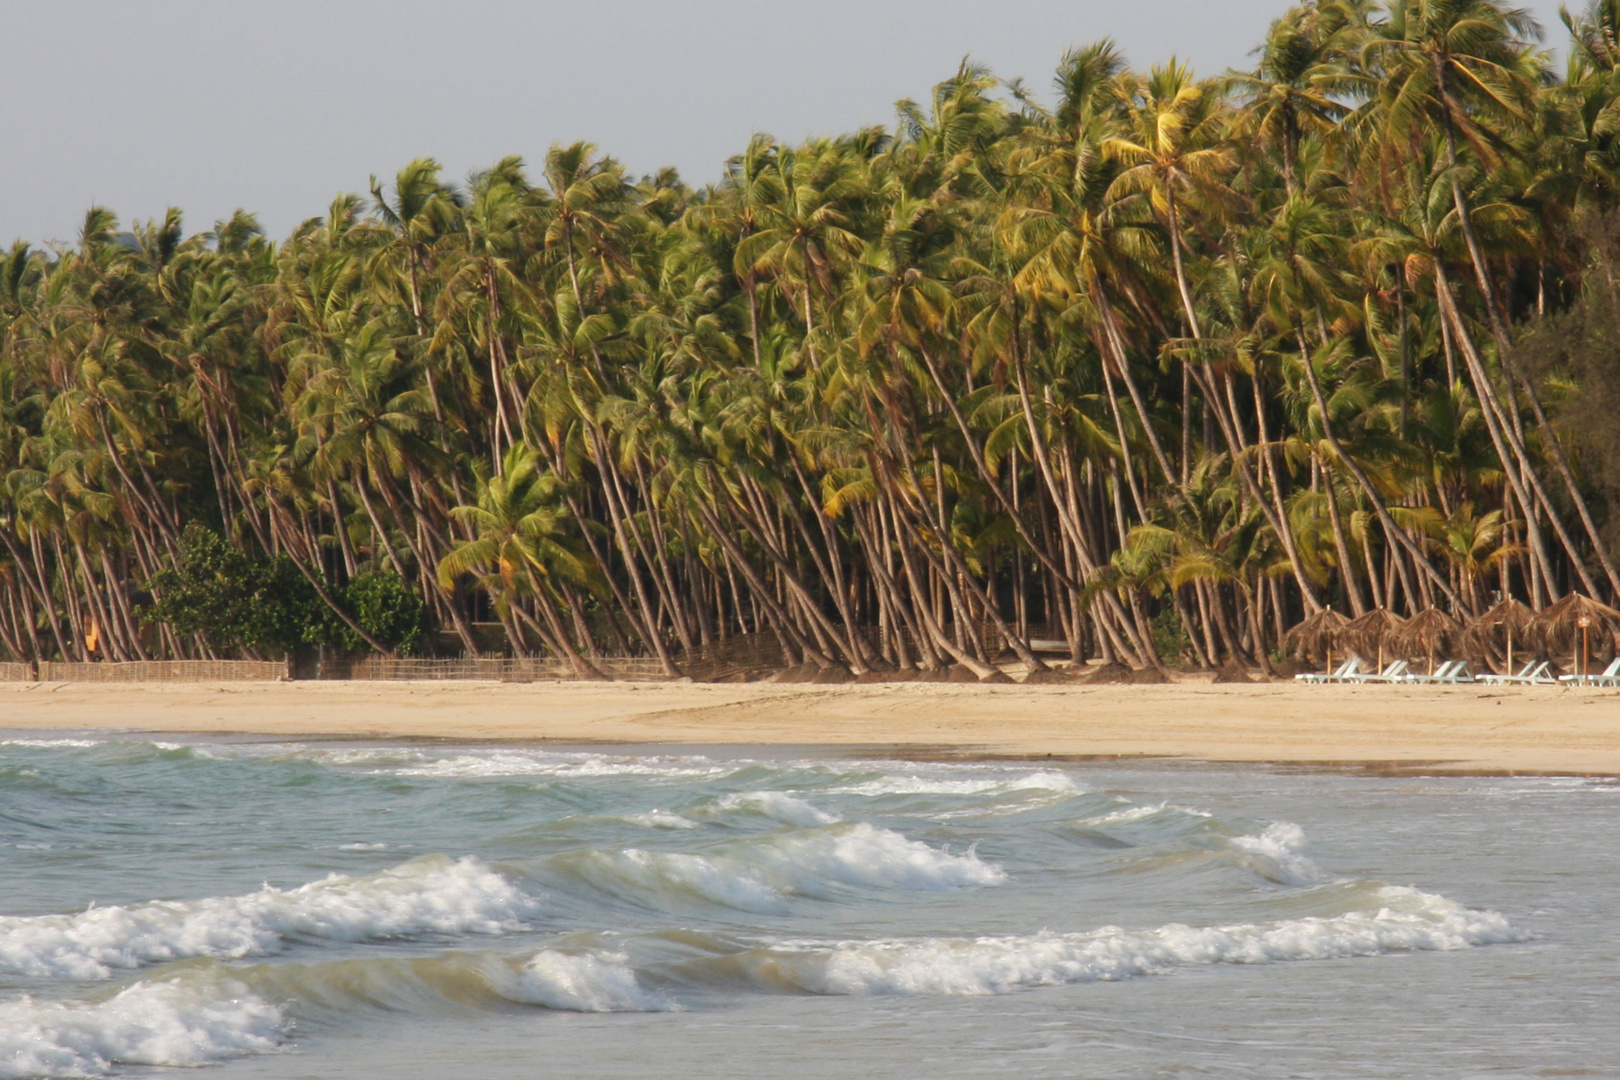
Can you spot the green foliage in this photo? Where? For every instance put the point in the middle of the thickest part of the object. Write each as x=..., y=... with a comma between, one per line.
x=389, y=609
x=1259, y=334
x=235, y=601
x=1169, y=636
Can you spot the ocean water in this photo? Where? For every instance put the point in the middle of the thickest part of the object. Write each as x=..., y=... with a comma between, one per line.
x=339, y=909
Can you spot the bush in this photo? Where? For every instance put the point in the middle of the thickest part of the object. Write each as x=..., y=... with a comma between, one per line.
x=389, y=609
x=237, y=601
x=1170, y=636
x=233, y=601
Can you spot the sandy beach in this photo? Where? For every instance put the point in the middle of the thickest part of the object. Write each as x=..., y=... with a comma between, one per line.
x=1380, y=728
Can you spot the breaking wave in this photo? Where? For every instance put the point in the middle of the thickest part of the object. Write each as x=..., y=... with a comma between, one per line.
x=1407, y=921
x=761, y=873
x=176, y=1021
x=434, y=894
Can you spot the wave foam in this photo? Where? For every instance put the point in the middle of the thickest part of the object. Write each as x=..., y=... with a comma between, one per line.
x=1278, y=853
x=1409, y=921
x=172, y=1022
x=776, y=806
x=928, y=785
x=551, y=765
x=75, y=744
x=759, y=874
x=575, y=983
x=658, y=819
x=429, y=895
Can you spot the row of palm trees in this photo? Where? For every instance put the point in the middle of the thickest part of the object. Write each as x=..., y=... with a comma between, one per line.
x=1157, y=371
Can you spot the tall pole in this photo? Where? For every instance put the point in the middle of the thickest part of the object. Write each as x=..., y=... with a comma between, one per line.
x=1585, y=623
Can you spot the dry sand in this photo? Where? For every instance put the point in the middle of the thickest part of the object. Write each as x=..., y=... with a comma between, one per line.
x=1380, y=728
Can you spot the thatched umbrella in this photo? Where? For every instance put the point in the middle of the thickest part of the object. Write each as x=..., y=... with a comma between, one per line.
x=1428, y=632
x=1497, y=634
x=1316, y=636
x=1572, y=626
x=1365, y=634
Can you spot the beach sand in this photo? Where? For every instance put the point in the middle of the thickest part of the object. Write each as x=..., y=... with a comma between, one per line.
x=1474, y=729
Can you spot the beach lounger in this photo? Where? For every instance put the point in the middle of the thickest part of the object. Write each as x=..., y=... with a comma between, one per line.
x=1535, y=673
x=1350, y=669
x=1394, y=672
x=1610, y=676
x=1451, y=673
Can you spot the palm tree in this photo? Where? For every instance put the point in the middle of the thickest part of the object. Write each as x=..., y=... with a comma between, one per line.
x=520, y=549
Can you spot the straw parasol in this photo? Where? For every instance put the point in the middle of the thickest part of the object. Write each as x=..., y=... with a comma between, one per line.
x=1365, y=634
x=1316, y=636
x=1572, y=626
x=1428, y=632
x=1499, y=634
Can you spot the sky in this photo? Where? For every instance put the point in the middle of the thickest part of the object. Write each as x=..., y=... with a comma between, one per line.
x=278, y=106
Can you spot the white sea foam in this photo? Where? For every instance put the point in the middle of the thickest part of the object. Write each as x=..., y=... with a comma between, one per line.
x=429, y=895
x=760, y=873
x=658, y=819
x=79, y=744
x=589, y=983
x=1124, y=815
x=198, y=1016
x=1279, y=854
x=776, y=806
x=169, y=1022
x=659, y=875
x=1408, y=920
x=937, y=785
x=560, y=766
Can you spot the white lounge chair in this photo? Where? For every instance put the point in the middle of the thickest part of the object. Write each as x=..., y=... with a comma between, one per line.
x=1394, y=672
x=1451, y=673
x=1610, y=676
x=1535, y=673
x=1348, y=671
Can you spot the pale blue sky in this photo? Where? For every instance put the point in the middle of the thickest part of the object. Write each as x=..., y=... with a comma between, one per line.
x=278, y=105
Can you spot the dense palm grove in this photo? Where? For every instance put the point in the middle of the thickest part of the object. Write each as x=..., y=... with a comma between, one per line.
x=1158, y=371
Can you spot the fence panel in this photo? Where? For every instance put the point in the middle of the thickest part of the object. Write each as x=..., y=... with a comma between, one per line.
x=493, y=669
x=363, y=669
x=165, y=671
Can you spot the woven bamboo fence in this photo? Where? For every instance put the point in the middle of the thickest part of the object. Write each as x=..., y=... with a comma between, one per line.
x=736, y=659
x=166, y=671
x=506, y=669
x=17, y=673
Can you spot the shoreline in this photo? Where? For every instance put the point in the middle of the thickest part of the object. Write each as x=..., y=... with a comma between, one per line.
x=1379, y=730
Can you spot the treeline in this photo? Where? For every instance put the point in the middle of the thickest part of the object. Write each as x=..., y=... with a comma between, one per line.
x=1157, y=371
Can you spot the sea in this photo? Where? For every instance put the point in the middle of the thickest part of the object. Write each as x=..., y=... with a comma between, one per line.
x=245, y=908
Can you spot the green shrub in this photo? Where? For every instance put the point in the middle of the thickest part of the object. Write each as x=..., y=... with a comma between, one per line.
x=237, y=601
x=389, y=609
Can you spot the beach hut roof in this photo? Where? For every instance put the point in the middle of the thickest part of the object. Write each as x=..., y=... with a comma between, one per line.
x=1492, y=628
x=1367, y=633
x=1558, y=628
x=1427, y=633
x=1317, y=635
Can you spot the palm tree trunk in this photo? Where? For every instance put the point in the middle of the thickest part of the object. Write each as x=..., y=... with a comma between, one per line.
x=1390, y=528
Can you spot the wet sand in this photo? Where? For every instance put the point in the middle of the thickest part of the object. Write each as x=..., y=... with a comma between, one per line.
x=1550, y=730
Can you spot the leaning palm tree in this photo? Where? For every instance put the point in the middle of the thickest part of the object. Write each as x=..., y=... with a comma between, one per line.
x=1299, y=87
x=521, y=551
